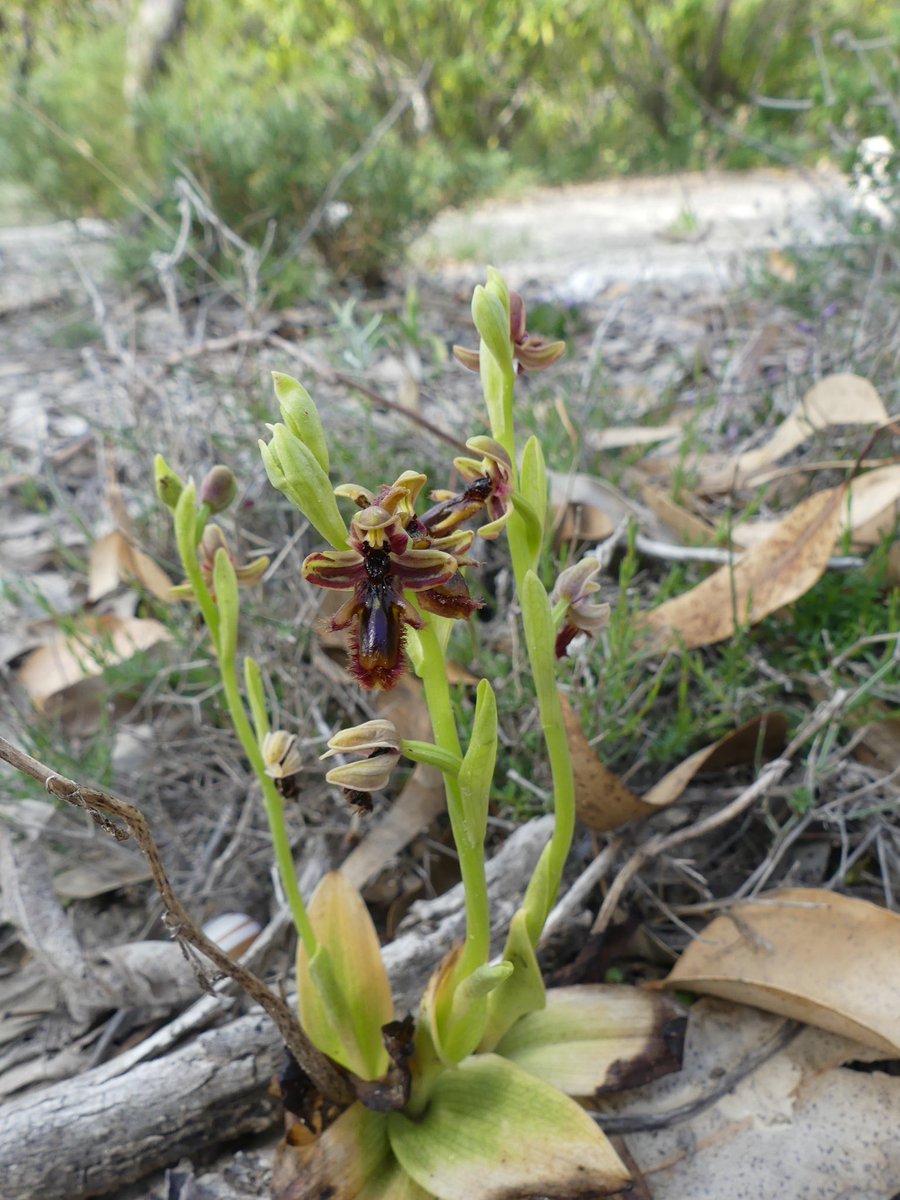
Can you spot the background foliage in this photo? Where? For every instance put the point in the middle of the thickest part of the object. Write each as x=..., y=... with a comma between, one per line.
x=263, y=101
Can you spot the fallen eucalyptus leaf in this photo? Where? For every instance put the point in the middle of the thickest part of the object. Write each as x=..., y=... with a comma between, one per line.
x=800, y=1126
x=620, y=437
x=775, y=573
x=841, y=399
x=819, y=957
x=114, y=561
x=762, y=735
x=95, y=644
x=602, y=800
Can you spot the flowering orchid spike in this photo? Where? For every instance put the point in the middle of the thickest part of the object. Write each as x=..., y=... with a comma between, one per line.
x=530, y=351
x=377, y=569
x=573, y=590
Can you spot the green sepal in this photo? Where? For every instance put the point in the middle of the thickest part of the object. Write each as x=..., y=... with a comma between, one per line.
x=294, y=470
x=492, y=322
x=257, y=697
x=228, y=603
x=492, y=1130
x=169, y=486
x=477, y=771
x=496, y=285
x=522, y=992
x=299, y=413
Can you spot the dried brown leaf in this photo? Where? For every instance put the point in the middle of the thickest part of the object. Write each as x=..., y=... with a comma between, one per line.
x=829, y=960
x=602, y=800
x=96, y=643
x=115, y=561
x=775, y=573
x=841, y=399
x=618, y=438
x=762, y=736
x=689, y=528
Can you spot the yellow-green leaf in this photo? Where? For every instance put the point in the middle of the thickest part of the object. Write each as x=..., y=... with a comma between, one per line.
x=344, y=993
x=493, y=1131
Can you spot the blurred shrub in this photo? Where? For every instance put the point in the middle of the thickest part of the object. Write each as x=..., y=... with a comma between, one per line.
x=264, y=101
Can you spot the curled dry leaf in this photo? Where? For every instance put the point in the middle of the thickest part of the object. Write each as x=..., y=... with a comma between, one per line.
x=602, y=800
x=618, y=438
x=688, y=527
x=95, y=644
x=835, y=400
x=870, y=511
x=115, y=561
x=775, y=573
x=829, y=960
x=762, y=737
x=586, y=508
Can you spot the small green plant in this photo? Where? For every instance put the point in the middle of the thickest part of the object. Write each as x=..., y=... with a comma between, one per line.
x=476, y=1094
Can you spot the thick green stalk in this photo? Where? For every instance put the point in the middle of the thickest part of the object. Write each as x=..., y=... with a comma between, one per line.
x=433, y=672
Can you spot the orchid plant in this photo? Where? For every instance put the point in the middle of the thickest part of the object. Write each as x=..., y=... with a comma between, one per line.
x=479, y=1096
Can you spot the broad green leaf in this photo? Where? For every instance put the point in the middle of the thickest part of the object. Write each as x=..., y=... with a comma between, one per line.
x=596, y=1038
x=391, y=1182
x=343, y=992
x=339, y=1164
x=301, y=416
x=492, y=1131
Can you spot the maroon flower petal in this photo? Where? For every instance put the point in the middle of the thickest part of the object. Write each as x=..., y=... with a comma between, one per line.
x=451, y=599
x=470, y=359
x=339, y=569
x=419, y=569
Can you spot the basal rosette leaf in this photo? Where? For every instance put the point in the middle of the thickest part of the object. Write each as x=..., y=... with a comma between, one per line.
x=343, y=990
x=340, y=1163
x=596, y=1038
x=493, y=1131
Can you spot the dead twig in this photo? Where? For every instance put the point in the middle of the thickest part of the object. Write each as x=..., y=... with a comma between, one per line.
x=106, y=811
x=769, y=777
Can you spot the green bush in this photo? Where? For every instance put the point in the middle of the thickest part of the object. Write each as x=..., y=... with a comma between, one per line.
x=263, y=102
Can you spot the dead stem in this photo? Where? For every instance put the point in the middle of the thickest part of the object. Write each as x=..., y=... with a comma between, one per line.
x=769, y=777
x=102, y=807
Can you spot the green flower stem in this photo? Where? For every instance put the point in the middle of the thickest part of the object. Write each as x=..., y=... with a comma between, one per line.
x=559, y=610
x=545, y=882
x=432, y=756
x=433, y=672
x=185, y=531
x=272, y=801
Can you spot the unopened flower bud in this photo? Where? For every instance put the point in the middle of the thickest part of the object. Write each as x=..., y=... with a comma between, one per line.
x=368, y=775
x=282, y=758
x=168, y=485
x=365, y=739
x=218, y=489
x=283, y=762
